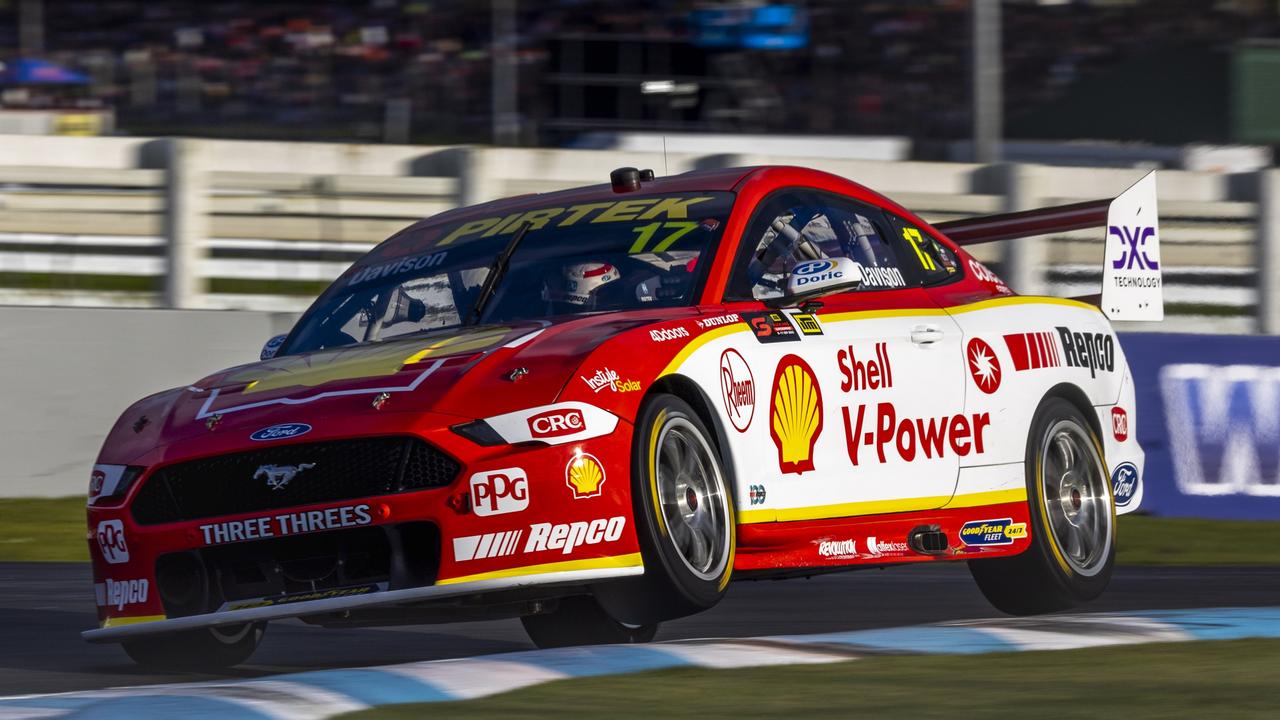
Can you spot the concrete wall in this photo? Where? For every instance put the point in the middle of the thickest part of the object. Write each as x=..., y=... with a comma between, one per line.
x=70, y=372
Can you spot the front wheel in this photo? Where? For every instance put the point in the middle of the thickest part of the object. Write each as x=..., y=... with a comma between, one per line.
x=205, y=649
x=579, y=620
x=684, y=517
x=1073, y=536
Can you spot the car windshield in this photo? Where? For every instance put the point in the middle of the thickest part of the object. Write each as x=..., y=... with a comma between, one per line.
x=624, y=254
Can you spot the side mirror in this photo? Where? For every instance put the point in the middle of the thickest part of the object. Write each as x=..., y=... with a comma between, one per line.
x=272, y=347
x=819, y=277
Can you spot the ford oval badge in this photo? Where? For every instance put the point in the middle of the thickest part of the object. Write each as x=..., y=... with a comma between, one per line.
x=281, y=431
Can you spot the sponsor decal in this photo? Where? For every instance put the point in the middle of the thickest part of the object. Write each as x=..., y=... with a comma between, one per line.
x=272, y=347
x=866, y=373
x=984, y=368
x=278, y=476
x=606, y=378
x=584, y=475
x=838, y=549
x=1119, y=424
x=665, y=334
x=984, y=275
x=771, y=327
x=284, y=524
x=1096, y=351
x=112, y=543
x=397, y=267
x=1032, y=351
x=629, y=210
x=119, y=593
x=96, y=480
x=877, y=547
x=718, y=321
x=1133, y=255
x=556, y=423
x=756, y=494
x=911, y=437
x=883, y=277
x=498, y=492
x=567, y=537
x=1224, y=428
x=488, y=545
x=1124, y=483
x=281, y=431
x=795, y=414
x=737, y=389
x=985, y=533
x=307, y=596
x=815, y=272
x=807, y=322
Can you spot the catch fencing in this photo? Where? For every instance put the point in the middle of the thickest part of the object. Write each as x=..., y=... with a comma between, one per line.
x=257, y=225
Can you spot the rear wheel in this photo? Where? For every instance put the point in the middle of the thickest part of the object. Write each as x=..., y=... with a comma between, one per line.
x=579, y=620
x=198, y=650
x=1073, y=539
x=684, y=517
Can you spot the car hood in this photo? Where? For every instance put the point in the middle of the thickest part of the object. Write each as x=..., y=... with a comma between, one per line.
x=463, y=373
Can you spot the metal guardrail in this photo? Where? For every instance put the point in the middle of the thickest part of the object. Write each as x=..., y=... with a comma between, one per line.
x=270, y=239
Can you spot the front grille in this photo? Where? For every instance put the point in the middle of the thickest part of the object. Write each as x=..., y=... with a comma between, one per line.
x=341, y=470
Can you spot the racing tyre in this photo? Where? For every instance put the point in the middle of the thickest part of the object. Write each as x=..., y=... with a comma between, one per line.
x=579, y=620
x=198, y=650
x=684, y=517
x=1073, y=535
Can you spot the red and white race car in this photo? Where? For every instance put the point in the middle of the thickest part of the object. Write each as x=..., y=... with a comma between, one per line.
x=594, y=408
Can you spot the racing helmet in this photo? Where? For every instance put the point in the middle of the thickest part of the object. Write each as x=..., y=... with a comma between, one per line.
x=579, y=285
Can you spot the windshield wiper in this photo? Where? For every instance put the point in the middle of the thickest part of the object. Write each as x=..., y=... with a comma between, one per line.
x=496, y=271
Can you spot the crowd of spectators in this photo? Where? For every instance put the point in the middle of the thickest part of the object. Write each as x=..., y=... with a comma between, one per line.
x=298, y=68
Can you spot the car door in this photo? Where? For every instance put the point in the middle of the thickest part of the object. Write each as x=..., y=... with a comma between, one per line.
x=865, y=395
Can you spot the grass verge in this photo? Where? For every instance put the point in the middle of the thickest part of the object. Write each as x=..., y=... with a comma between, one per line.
x=1234, y=679
x=53, y=529
x=43, y=529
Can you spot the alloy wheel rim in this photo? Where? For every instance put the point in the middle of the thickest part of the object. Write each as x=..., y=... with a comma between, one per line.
x=691, y=492
x=1076, y=497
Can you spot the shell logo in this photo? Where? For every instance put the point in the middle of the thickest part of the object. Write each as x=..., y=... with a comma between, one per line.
x=584, y=475
x=795, y=414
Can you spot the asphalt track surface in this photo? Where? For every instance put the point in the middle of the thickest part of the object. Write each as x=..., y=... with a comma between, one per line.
x=44, y=606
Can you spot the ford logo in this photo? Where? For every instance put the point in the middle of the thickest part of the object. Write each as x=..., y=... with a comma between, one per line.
x=1124, y=483
x=814, y=266
x=281, y=431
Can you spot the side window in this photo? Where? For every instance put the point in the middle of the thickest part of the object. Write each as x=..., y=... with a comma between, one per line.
x=797, y=226
x=931, y=260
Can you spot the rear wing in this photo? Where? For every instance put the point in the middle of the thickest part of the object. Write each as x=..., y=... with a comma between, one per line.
x=1132, y=288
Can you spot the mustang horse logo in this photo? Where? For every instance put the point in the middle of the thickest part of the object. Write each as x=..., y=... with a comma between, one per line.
x=277, y=476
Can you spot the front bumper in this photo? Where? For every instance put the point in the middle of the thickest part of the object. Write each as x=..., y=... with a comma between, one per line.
x=593, y=571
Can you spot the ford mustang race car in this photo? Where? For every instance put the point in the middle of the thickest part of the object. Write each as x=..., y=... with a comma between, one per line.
x=593, y=409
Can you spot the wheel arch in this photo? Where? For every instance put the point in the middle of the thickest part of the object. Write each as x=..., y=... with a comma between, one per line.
x=1077, y=397
x=689, y=391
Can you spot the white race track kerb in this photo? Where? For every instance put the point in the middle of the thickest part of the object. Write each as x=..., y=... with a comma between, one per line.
x=324, y=693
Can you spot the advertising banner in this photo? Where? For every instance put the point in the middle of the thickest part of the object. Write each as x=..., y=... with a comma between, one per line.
x=1208, y=411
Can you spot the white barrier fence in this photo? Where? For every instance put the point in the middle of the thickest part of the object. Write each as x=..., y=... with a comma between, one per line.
x=256, y=225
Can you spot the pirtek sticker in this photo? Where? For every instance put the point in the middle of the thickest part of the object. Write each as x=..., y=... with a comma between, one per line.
x=668, y=208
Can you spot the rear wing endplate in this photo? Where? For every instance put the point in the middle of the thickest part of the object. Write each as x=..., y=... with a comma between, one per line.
x=1132, y=288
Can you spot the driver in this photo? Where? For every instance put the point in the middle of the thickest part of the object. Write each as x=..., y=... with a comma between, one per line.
x=578, y=287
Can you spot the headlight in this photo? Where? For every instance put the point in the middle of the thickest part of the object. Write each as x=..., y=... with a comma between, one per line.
x=108, y=484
